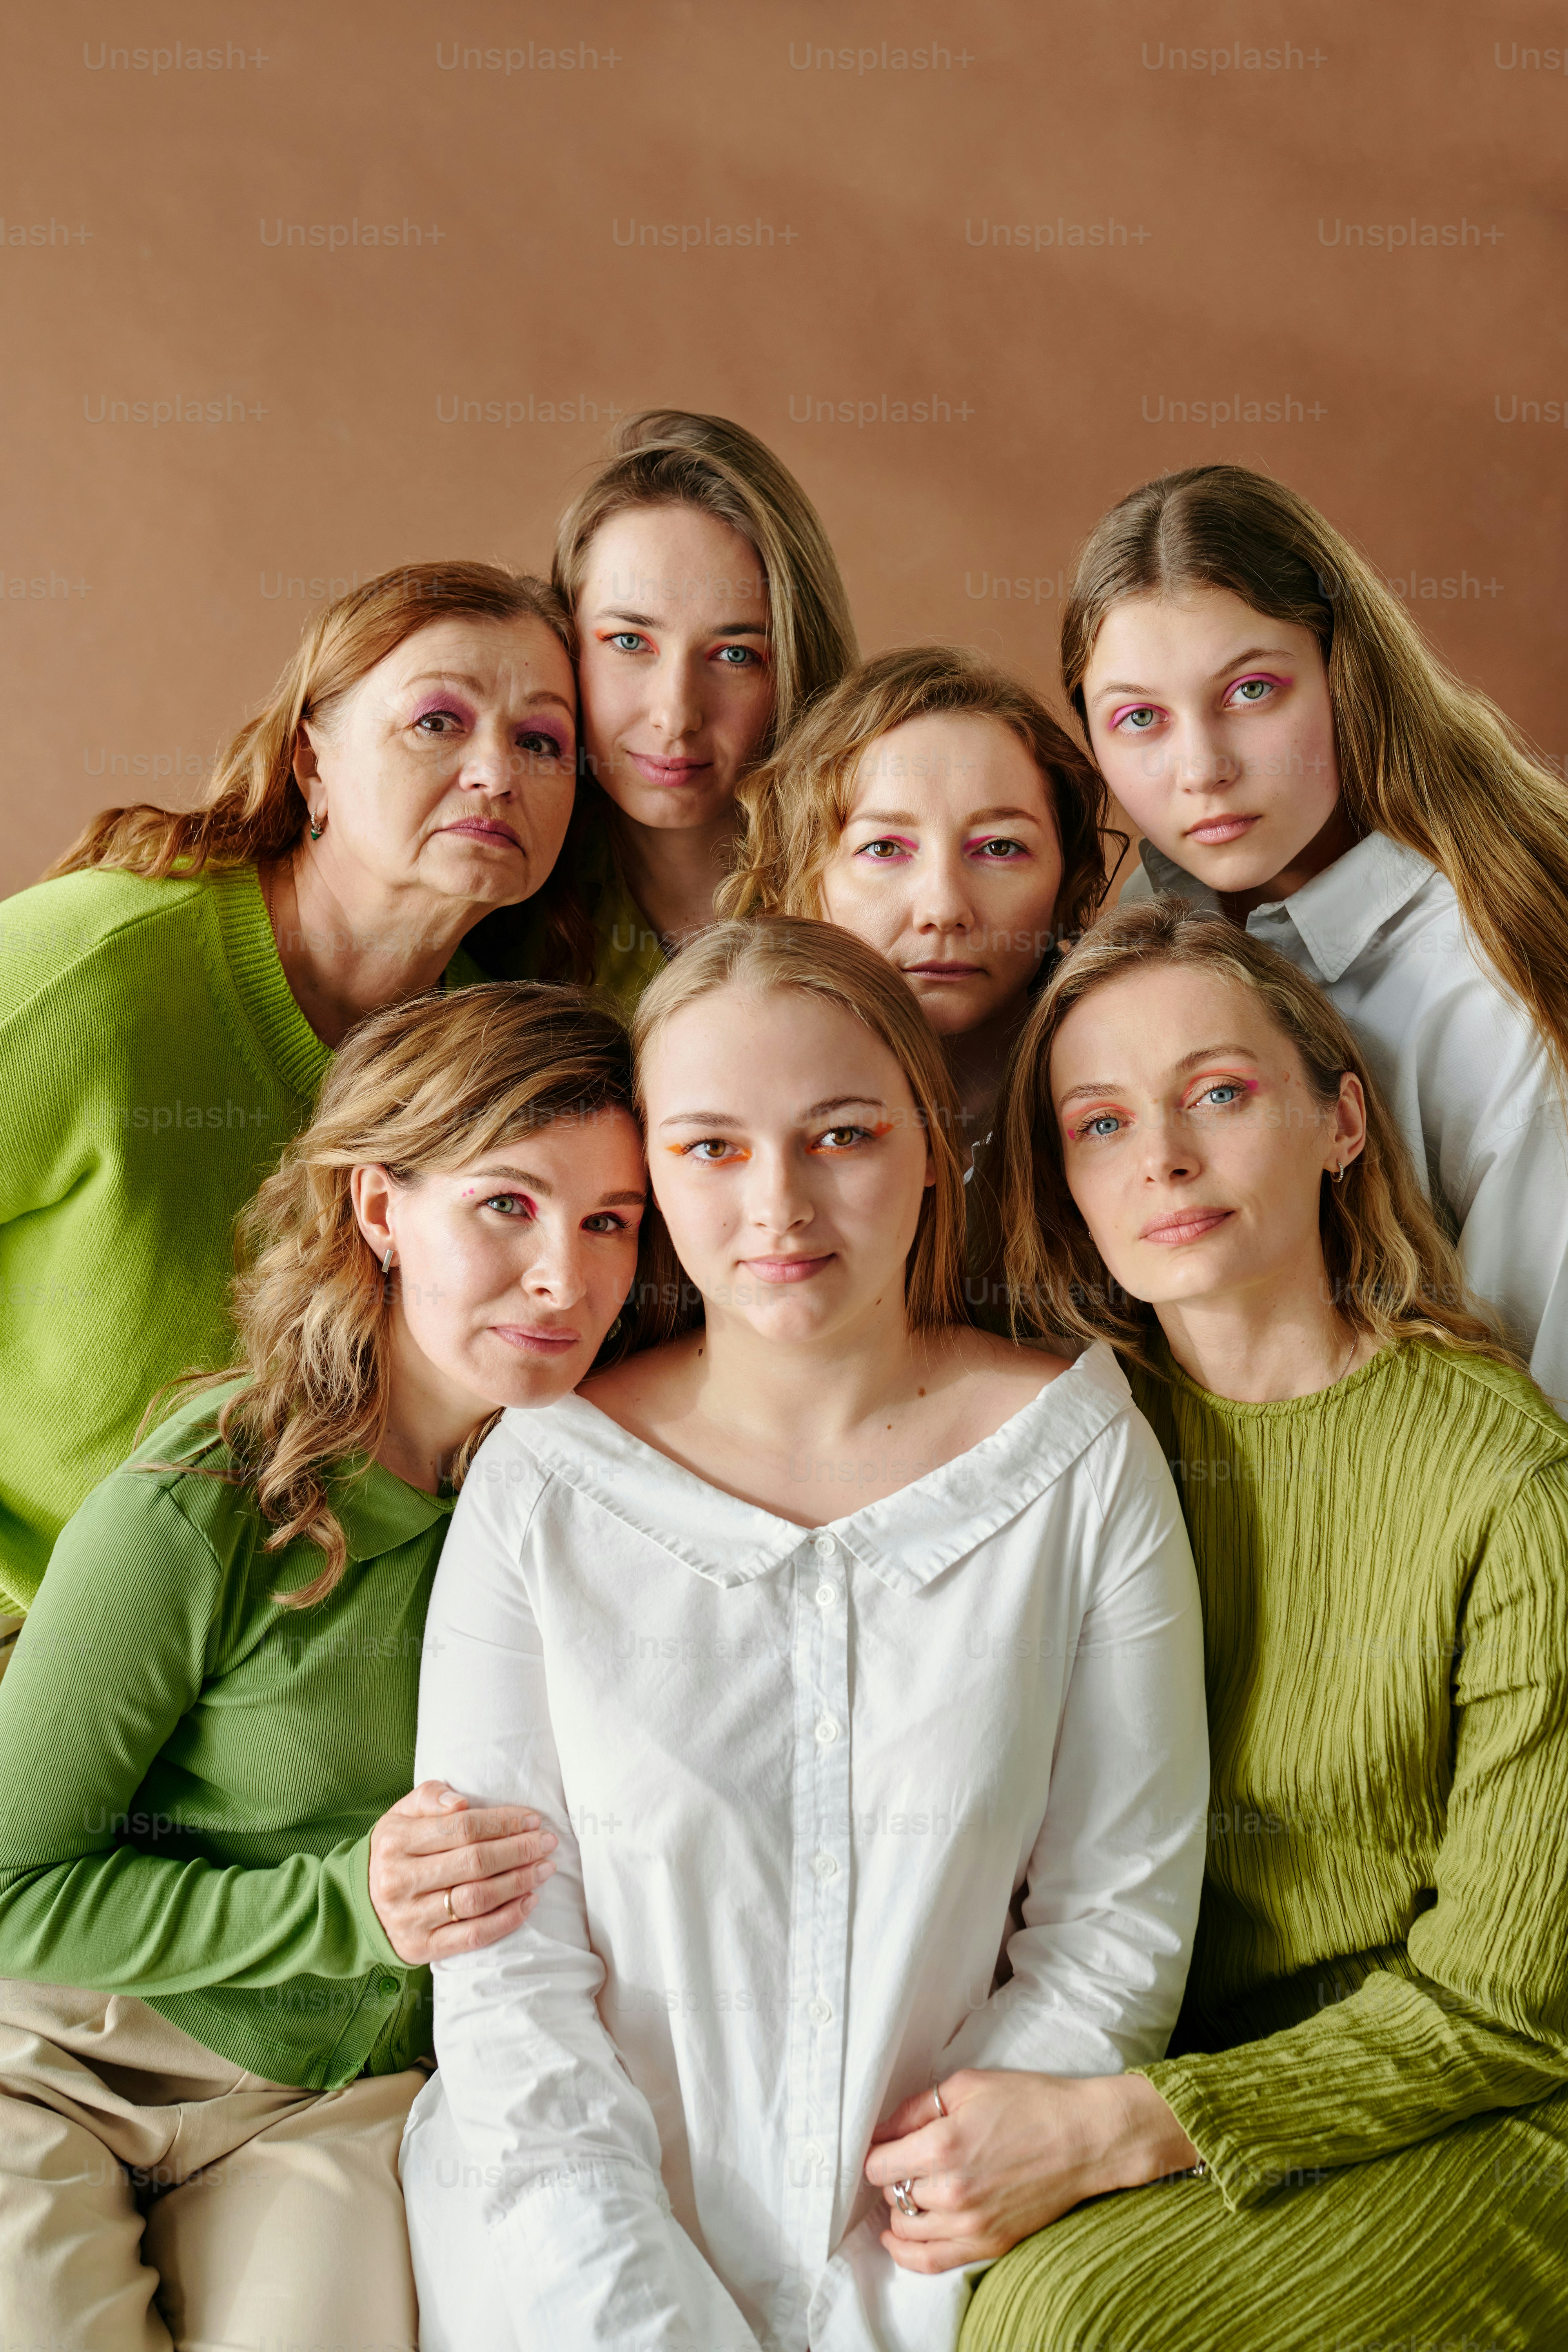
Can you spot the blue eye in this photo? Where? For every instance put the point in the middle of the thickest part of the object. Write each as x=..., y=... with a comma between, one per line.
x=737, y=657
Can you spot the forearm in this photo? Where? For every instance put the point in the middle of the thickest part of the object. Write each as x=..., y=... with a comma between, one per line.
x=1389, y=2067
x=135, y=1922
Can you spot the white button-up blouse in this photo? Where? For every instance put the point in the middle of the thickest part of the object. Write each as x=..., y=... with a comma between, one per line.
x=1462, y=1066
x=799, y=1777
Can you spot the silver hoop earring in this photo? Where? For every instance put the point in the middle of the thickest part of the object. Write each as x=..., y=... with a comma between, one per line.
x=1338, y=1174
x=387, y=1261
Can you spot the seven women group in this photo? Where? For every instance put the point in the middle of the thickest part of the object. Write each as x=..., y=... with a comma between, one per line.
x=883, y=1547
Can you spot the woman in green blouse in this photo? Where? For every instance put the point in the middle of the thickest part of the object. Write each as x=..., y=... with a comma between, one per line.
x=218, y=1898
x=171, y=995
x=1359, y=2135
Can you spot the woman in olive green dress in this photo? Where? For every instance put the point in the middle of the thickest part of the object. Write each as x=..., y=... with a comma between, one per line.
x=1359, y=2137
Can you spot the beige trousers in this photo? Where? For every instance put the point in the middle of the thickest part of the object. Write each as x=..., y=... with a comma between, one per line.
x=152, y=2195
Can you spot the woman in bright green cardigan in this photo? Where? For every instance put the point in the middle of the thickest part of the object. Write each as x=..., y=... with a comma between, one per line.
x=170, y=998
x=1359, y=2134
x=218, y=1896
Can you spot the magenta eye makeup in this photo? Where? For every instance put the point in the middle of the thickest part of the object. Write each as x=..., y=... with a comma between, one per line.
x=437, y=705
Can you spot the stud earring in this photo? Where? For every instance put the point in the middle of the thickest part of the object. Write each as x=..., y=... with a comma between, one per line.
x=387, y=1261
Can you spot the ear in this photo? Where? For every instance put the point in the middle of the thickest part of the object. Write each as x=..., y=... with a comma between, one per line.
x=307, y=768
x=1349, y=1122
x=374, y=1194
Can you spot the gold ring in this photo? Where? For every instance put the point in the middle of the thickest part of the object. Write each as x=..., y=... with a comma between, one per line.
x=450, y=1913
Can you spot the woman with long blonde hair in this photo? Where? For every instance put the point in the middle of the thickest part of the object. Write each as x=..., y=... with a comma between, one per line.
x=710, y=613
x=932, y=804
x=170, y=999
x=1199, y=1168
x=1298, y=757
x=219, y=1893
x=853, y=1655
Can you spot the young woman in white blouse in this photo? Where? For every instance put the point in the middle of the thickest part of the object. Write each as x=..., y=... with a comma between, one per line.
x=1296, y=756
x=853, y=1657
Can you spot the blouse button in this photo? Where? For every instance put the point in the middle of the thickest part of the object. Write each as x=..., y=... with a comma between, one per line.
x=387, y=1986
x=820, y=2011
x=825, y=1865
x=823, y=1547
x=827, y=1594
x=827, y=1731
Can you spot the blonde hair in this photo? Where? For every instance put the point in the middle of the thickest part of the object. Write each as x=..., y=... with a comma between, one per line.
x=672, y=457
x=818, y=959
x=675, y=457
x=428, y=1084
x=253, y=809
x=794, y=809
x=1393, y=1273
x=1423, y=757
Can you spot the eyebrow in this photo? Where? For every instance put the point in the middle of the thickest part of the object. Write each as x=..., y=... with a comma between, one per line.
x=547, y=1191
x=814, y=1110
x=1237, y=661
x=1188, y=1062
x=477, y=686
x=906, y=816
x=652, y=621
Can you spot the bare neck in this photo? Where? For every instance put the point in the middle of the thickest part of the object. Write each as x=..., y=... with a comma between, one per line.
x=672, y=871
x=1279, y=1337
x=348, y=944
x=1326, y=845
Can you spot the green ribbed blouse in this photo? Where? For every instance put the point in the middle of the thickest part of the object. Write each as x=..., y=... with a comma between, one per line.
x=1383, y=1948
x=153, y=1065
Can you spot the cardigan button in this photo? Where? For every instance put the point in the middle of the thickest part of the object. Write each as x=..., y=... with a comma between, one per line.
x=387, y=1987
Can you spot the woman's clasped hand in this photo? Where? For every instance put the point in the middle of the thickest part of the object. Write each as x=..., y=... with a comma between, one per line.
x=1010, y=2153
x=448, y=1875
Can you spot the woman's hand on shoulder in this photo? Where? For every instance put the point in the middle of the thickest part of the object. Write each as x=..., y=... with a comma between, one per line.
x=1012, y=2154
x=447, y=1875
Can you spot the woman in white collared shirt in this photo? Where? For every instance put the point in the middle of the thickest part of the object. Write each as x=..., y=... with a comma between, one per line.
x=853, y=1654
x=1296, y=756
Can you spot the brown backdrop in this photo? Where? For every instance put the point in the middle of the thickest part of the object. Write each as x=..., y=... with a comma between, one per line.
x=297, y=290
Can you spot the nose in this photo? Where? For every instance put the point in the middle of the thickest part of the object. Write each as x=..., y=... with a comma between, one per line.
x=943, y=900
x=491, y=762
x=776, y=1199
x=675, y=706
x=1169, y=1153
x=1202, y=761
x=556, y=1274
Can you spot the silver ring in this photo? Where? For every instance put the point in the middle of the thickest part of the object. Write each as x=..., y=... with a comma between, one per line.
x=936, y=2094
x=903, y=2197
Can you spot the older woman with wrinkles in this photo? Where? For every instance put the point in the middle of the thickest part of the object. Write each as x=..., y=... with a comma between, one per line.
x=170, y=998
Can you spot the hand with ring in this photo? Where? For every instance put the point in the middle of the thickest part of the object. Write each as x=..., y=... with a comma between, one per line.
x=991, y=2157
x=448, y=1875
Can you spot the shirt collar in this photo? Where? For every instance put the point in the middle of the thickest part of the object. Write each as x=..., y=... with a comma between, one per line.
x=906, y=1540
x=1336, y=913
x=378, y=1512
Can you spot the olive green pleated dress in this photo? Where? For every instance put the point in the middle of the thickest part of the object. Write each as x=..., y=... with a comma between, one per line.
x=1372, y=2056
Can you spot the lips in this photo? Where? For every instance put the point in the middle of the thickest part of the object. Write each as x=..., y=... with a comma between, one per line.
x=484, y=828
x=944, y=970
x=671, y=773
x=1186, y=1225
x=1214, y=831
x=787, y=1269
x=537, y=1343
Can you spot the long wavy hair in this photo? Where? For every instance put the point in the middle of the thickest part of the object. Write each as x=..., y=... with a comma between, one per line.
x=253, y=809
x=817, y=960
x=431, y=1083
x=1422, y=757
x=1392, y=1272
x=793, y=809
x=676, y=458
